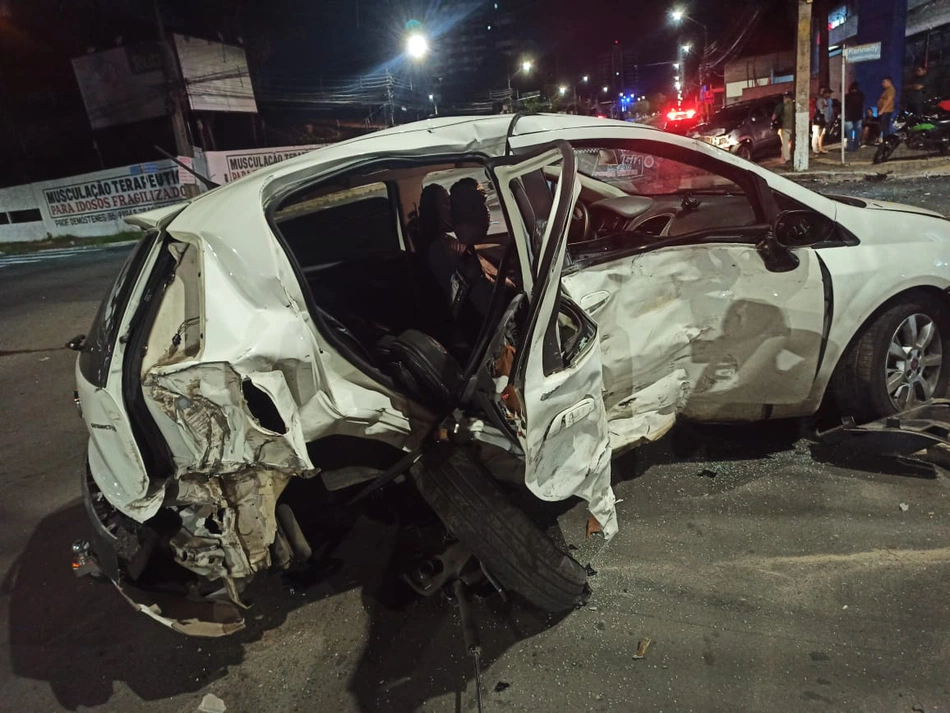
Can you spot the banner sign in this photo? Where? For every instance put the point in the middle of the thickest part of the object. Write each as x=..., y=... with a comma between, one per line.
x=227, y=166
x=109, y=196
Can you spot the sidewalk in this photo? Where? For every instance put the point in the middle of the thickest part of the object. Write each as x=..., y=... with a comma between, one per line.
x=858, y=166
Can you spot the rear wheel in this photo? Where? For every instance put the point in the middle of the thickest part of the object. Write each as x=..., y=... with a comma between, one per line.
x=745, y=151
x=901, y=360
x=509, y=545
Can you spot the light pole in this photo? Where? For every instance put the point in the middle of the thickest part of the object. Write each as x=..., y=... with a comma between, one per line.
x=584, y=80
x=435, y=107
x=677, y=16
x=526, y=66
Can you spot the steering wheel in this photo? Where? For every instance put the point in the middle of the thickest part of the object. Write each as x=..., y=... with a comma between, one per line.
x=580, y=224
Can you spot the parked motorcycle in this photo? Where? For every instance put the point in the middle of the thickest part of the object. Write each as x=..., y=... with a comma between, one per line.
x=919, y=132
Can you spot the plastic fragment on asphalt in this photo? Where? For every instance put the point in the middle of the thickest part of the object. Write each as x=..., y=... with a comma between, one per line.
x=904, y=507
x=590, y=570
x=211, y=704
x=502, y=686
x=706, y=473
x=642, y=648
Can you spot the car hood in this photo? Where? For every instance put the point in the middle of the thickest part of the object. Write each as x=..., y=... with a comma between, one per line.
x=900, y=208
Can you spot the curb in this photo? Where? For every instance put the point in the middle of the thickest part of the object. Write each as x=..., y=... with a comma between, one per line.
x=880, y=170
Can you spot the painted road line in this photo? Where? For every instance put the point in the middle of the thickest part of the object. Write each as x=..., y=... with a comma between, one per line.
x=43, y=256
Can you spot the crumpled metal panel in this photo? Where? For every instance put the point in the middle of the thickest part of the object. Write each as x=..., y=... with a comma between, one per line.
x=703, y=331
x=228, y=521
x=205, y=403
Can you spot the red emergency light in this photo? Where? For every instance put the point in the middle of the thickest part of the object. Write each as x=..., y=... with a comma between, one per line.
x=679, y=114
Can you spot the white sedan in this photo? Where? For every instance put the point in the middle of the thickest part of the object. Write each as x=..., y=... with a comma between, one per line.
x=295, y=328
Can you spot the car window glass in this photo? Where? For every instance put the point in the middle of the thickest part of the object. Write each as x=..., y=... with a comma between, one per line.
x=674, y=198
x=355, y=223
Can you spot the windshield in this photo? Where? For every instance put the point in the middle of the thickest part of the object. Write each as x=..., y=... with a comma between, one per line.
x=646, y=174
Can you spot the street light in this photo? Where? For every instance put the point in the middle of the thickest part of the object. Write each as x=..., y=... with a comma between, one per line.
x=585, y=78
x=687, y=48
x=435, y=107
x=605, y=89
x=562, y=90
x=677, y=15
x=526, y=66
x=417, y=45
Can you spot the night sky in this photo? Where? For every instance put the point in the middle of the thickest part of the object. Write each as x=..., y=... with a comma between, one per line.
x=295, y=47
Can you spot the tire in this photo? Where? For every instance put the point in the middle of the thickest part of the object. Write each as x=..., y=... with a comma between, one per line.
x=860, y=385
x=521, y=557
x=744, y=151
x=883, y=152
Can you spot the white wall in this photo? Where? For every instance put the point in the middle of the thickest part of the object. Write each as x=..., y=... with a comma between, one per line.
x=91, y=204
x=19, y=198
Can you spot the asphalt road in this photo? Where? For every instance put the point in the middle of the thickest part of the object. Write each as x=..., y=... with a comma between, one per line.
x=769, y=574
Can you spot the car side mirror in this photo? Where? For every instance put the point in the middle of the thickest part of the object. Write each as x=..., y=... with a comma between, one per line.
x=801, y=228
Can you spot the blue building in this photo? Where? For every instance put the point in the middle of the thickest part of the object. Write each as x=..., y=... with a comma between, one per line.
x=911, y=33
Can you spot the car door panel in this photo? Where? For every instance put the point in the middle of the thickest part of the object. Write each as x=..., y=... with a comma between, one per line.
x=704, y=331
x=562, y=424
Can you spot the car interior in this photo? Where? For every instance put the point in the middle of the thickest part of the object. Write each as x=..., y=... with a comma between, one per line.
x=362, y=243
x=364, y=249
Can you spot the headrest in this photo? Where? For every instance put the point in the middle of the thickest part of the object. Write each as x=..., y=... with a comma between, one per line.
x=435, y=211
x=470, y=215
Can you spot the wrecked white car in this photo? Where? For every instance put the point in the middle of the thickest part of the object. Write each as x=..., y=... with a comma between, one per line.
x=366, y=312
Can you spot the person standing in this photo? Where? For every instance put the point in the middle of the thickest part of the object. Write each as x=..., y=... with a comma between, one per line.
x=885, y=106
x=853, y=115
x=817, y=109
x=919, y=91
x=824, y=117
x=784, y=117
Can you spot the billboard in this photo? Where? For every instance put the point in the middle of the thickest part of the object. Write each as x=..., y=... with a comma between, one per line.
x=122, y=85
x=216, y=75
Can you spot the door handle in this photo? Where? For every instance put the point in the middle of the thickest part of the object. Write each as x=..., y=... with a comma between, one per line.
x=570, y=416
x=595, y=301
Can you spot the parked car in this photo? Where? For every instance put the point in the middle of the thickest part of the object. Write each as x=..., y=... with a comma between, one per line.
x=744, y=129
x=288, y=331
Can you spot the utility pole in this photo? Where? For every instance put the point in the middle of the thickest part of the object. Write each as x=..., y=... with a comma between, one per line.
x=390, y=98
x=803, y=87
x=174, y=84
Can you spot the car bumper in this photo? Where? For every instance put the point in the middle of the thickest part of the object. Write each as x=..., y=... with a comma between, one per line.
x=120, y=556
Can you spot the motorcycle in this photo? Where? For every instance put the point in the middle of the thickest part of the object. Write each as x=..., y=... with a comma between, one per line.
x=919, y=132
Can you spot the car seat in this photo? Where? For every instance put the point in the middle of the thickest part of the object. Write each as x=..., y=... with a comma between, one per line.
x=421, y=368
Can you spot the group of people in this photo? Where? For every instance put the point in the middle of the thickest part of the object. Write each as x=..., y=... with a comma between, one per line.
x=862, y=126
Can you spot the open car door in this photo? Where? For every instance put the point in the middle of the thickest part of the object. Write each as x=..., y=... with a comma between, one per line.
x=553, y=397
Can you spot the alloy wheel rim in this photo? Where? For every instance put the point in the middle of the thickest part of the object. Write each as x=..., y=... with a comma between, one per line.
x=914, y=362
